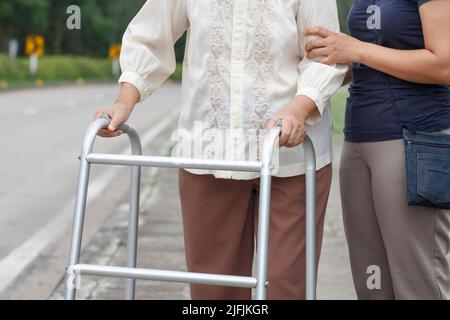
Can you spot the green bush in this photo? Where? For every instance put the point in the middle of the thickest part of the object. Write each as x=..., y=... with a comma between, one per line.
x=13, y=70
x=59, y=69
x=69, y=68
x=55, y=68
x=338, y=104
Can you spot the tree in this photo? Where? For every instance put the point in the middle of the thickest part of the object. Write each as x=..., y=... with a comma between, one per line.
x=103, y=22
x=21, y=17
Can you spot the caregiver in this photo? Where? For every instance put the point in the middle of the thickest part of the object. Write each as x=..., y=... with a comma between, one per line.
x=401, y=70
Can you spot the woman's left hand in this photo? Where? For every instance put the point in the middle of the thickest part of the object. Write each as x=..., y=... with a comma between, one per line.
x=336, y=48
x=293, y=118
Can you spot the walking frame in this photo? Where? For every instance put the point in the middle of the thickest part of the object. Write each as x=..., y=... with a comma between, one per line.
x=136, y=161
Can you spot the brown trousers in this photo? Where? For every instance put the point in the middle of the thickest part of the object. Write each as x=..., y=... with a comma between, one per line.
x=220, y=219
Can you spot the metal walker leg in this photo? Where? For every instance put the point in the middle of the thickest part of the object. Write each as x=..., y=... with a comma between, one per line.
x=264, y=217
x=136, y=161
x=311, y=277
x=80, y=207
x=133, y=219
x=262, y=256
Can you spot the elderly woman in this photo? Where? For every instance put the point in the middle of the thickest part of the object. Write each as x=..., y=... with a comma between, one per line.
x=245, y=69
x=401, y=74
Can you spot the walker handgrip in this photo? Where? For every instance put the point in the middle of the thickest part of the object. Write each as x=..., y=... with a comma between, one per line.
x=279, y=123
x=123, y=127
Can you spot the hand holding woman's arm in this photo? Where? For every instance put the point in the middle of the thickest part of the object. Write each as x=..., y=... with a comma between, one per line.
x=316, y=83
x=430, y=65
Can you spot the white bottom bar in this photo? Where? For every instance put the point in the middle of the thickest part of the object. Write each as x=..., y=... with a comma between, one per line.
x=165, y=275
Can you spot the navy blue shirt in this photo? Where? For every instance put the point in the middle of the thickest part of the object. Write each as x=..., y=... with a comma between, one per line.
x=380, y=105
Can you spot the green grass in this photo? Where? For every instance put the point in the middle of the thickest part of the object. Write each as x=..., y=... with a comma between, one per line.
x=338, y=103
x=59, y=69
x=178, y=73
x=55, y=68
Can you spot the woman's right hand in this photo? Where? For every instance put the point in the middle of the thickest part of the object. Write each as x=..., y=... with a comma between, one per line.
x=119, y=113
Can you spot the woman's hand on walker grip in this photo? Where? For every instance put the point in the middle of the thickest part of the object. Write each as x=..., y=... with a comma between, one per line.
x=120, y=111
x=119, y=114
x=293, y=118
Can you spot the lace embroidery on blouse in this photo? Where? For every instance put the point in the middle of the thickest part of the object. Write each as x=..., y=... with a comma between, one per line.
x=220, y=15
x=260, y=67
x=260, y=70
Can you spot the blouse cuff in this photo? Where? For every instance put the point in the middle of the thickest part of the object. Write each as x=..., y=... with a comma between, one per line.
x=315, y=96
x=134, y=79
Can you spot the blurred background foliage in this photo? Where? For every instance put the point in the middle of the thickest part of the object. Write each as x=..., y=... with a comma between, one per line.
x=103, y=22
x=343, y=8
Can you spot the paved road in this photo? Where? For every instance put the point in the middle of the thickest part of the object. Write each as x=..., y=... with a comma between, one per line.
x=40, y=141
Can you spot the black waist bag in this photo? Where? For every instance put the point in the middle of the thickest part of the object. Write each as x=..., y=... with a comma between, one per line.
x=428, y=168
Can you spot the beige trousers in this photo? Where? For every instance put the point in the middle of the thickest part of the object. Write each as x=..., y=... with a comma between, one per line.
x=219, y=217
x=409, y=245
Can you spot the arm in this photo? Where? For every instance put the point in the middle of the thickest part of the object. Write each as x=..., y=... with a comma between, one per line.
x=317, y=82
x=148, y=56
x=431, y=65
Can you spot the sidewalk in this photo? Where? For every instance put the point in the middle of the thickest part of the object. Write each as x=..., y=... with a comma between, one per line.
x=161, y=245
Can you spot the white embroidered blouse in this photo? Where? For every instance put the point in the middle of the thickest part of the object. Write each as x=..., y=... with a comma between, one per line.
x=244, y=62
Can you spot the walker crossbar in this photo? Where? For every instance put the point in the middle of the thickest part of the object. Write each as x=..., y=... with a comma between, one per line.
x=169, y=162
x=166, y=275
x=136, y=161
